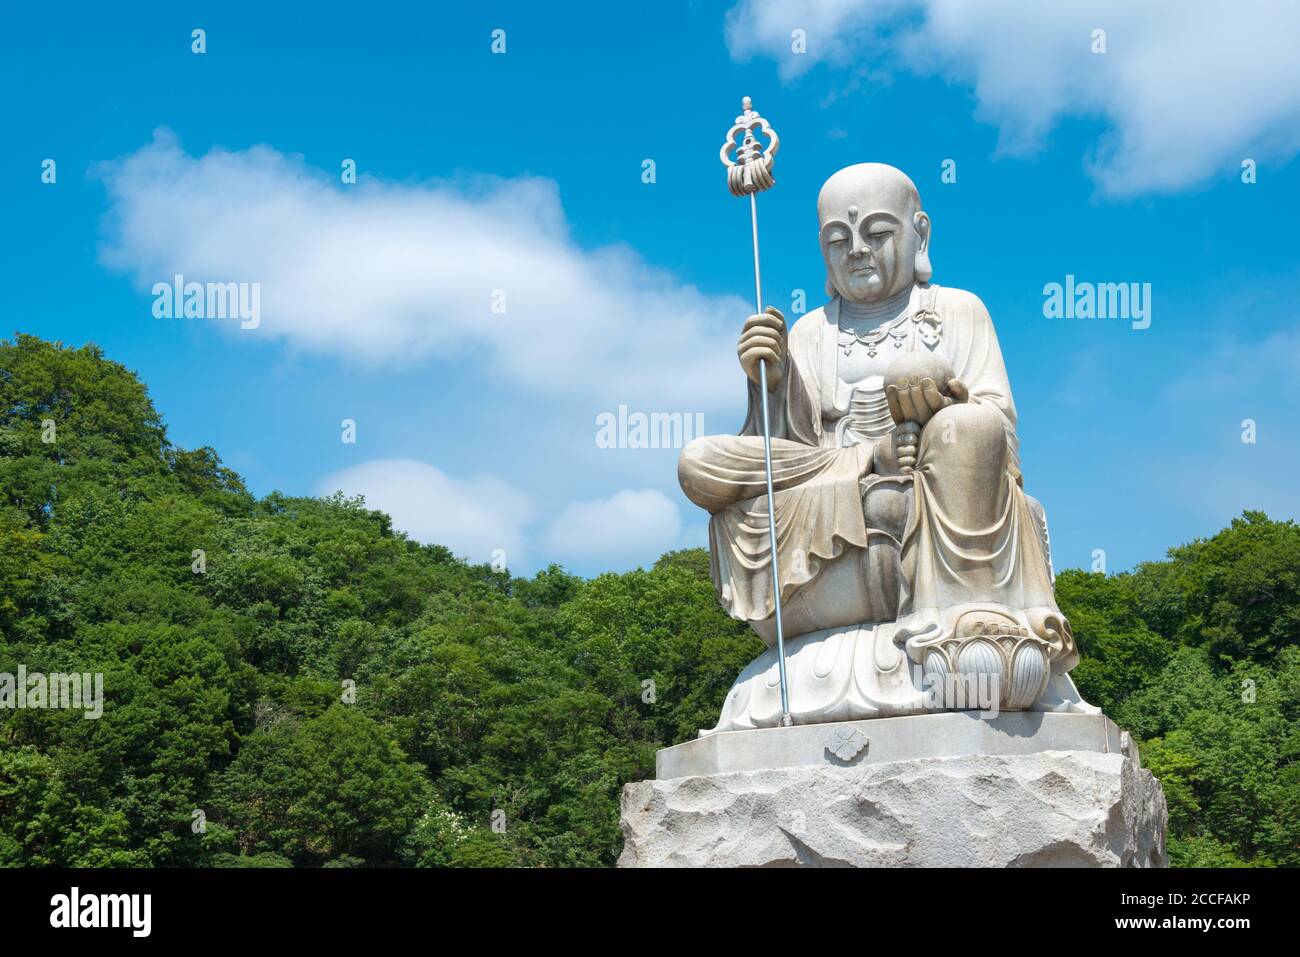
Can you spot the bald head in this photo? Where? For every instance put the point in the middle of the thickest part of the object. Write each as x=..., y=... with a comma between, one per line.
x=871, y=187
x=874, y=235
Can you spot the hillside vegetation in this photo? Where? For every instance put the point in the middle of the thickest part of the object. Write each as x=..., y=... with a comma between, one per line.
x=316, y=689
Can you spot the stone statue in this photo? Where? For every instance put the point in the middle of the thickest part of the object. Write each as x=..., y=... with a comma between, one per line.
x=932, y=721
x=915, y=571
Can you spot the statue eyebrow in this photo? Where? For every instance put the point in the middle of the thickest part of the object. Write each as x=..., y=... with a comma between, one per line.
x=881, y=217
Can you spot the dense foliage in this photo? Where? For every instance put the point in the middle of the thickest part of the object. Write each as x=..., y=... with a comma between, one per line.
x=290, y=682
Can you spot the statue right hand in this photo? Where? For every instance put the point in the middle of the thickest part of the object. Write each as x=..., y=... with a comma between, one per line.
x=763, y=339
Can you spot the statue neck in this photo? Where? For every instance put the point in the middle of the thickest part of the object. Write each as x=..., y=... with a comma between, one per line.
x=860, y=315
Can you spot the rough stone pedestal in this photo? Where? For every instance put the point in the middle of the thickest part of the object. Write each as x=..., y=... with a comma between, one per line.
x=827, y=803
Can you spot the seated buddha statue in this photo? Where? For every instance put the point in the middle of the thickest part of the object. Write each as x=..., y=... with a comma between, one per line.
x=910, y=557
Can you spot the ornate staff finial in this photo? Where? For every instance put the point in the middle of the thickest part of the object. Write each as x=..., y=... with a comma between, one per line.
x=748, y=175
x=751, y=170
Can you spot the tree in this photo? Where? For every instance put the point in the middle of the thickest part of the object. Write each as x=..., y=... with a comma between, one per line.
x=322, y=789
x=319, y=690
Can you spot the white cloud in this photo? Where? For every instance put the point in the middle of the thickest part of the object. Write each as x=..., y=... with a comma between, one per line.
x=627, y=528
x=1188, y=88
x=472, y=517
x=476, y=516
x=377, y=273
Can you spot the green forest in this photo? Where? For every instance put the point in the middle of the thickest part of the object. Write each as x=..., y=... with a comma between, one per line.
x=288, y=682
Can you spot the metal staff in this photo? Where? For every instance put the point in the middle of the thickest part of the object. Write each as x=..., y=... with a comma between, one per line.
x=749, y=174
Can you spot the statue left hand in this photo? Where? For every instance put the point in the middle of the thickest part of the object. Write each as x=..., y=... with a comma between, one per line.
x=920, y=399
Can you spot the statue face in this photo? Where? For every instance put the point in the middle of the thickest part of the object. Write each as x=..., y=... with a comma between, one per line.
x=872, y=230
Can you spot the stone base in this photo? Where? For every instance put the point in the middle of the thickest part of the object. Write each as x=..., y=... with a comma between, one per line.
x=843, y=743
x=1076, y=808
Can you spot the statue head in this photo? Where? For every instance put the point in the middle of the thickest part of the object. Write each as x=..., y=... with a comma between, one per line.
x=875, y=237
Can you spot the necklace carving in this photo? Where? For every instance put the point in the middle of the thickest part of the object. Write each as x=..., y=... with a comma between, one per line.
x=897, y=330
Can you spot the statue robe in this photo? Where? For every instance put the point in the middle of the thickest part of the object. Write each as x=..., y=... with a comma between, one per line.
x=856, y=546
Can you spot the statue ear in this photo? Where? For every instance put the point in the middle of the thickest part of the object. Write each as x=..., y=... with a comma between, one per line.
x=830, y=287
x=923, y=268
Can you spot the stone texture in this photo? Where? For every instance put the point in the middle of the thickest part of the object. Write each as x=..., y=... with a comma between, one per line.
x=1050, y=809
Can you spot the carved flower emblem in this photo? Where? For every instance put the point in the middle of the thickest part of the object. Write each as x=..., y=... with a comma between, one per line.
x=846, y=743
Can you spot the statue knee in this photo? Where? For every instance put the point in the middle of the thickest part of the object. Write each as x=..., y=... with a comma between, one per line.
x=697, y=474
x=965, y=435
x=692, y=457
x=691, y=469
x=968, y=417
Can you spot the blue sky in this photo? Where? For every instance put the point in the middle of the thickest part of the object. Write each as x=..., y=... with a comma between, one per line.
x=522, y=172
